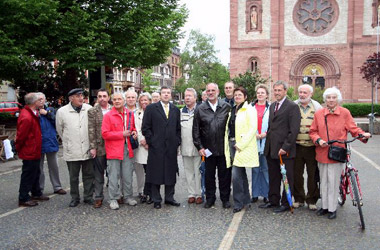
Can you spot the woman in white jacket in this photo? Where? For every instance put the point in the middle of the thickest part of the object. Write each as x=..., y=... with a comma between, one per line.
x=260, y=177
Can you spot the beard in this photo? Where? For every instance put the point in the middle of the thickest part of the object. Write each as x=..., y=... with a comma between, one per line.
x=304, y=101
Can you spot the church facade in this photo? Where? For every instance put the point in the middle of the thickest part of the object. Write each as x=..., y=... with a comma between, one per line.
x=321, y=42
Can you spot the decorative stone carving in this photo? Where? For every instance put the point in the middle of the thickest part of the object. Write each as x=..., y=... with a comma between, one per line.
x=315, y=17
x=253, y=14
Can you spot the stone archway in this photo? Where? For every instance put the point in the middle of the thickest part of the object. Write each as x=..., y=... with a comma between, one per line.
x=325, y=62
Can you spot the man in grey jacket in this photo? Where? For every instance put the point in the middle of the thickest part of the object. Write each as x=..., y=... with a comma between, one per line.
x=190, y=156
x=305, y=151
x=72, y=127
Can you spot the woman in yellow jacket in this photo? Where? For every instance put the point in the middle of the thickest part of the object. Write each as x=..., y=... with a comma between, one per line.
x=241, y=146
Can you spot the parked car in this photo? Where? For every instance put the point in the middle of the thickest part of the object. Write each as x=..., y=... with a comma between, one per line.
x=12, y=108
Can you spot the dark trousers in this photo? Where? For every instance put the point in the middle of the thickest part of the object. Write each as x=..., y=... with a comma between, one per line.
x=87, y=177
x=275, y=178
x=156, y=195
x=100, y=165
x=305, y=155
x=147, y=185
x=224, y=177
x=30, y=180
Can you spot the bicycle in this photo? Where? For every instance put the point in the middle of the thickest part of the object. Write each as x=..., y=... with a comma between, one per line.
x=349, y=181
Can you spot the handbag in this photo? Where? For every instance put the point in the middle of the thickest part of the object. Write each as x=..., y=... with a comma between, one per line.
x=134, y=143
x=336, y=153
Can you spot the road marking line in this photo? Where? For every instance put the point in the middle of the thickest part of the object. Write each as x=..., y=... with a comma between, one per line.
x=231, y=232
x=22, y=208
x=366, y=159
x=11, y=171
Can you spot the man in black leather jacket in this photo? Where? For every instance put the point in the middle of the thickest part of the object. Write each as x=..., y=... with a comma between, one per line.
x=209, y=126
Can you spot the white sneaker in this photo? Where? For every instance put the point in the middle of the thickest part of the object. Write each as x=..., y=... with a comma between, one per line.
x=313, y=207
x=298, y=204
x=131, y=202
x=114, y=205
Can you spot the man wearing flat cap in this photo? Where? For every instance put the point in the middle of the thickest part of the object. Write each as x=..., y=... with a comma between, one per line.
x=72, y=127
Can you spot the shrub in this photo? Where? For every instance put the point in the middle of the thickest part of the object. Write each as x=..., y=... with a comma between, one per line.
x=361, y=109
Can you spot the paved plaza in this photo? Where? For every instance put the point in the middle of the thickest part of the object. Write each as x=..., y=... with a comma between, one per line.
x=53, y=225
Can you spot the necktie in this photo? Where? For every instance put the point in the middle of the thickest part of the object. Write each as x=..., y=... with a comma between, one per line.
x=166, y=110
x=276, y=109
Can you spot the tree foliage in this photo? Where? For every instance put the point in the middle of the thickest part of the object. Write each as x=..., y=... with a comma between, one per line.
x=148, y=82
x=249, y=81
x=83, y=35
x=200, y=64
x=371, y=68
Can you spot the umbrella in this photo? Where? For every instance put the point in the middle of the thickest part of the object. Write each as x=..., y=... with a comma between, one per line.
x=202, y=170
x=286, y=185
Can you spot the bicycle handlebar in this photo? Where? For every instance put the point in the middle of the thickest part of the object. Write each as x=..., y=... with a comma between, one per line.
x=348, y=141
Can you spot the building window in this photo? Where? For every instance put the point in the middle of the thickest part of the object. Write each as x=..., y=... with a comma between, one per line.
x=253, y=15
x=315, y=17
x=253, y=65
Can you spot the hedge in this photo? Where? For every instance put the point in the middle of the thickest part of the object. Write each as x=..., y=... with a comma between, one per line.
x=361, y=109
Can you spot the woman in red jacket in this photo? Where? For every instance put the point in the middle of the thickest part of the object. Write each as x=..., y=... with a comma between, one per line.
x=117, y=128
x=339, y=123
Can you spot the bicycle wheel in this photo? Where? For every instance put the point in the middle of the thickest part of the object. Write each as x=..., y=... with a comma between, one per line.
x=355, y=189
x=342, y=191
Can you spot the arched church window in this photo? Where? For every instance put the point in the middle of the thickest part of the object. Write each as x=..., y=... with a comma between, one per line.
x=253, y=15
x=315, y=17
x=253, y=65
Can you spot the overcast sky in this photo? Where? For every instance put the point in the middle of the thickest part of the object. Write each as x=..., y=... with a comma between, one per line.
x=211, y=17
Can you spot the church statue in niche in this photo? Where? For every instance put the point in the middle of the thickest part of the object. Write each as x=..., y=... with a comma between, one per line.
x=253, y=15
x=254, y=18
x=375, y=13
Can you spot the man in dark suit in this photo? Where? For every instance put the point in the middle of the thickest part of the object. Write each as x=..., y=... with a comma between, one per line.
x=162, y=130
x=284, y=125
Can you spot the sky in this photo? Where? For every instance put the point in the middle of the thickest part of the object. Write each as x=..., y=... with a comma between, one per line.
x=210, y=17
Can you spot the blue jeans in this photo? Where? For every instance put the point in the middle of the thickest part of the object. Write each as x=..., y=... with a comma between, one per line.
x=260, y=179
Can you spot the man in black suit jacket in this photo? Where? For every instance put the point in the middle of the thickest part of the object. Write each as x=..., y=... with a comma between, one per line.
x=284, y=125
x=162, y=130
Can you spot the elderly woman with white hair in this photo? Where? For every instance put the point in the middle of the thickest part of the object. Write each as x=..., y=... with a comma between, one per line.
x=141, y=153
x=331, y=123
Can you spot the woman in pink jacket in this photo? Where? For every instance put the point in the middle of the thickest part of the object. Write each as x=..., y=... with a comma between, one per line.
x=117, y=128
x=339, y=123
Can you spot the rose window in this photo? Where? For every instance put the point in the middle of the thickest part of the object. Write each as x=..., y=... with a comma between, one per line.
x=315, y=17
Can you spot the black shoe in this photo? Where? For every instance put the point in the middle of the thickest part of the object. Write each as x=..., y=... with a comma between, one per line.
x=157, y=205
x=266, y=200
x=173, y=203
x=332, y=215
x=74, y=203
x=208, y=204
x=226, y=204
x=149, y=200
x=254, y=199
x=237, y=210
x=322, y=211
x=267, y=205
x=143, y=199
x=89, y=202
x=281, y=209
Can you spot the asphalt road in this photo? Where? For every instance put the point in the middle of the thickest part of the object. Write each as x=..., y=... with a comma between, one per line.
x=53, y=225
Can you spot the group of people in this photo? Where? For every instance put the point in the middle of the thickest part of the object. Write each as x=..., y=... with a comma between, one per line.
x=144, y=133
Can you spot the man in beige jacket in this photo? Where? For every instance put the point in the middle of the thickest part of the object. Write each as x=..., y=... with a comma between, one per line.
x=72, y=127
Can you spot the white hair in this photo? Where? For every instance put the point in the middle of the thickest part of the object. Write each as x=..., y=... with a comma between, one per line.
x=118, y=93
x=145, y=94
x=130, y=91
x=306, y=86
x=332, y=91
x=193, y=91
x=212, y=83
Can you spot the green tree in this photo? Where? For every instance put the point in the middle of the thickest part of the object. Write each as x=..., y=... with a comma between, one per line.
x=200, y=64
x=83, y=35
x=249, y=81
x=148, y=82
